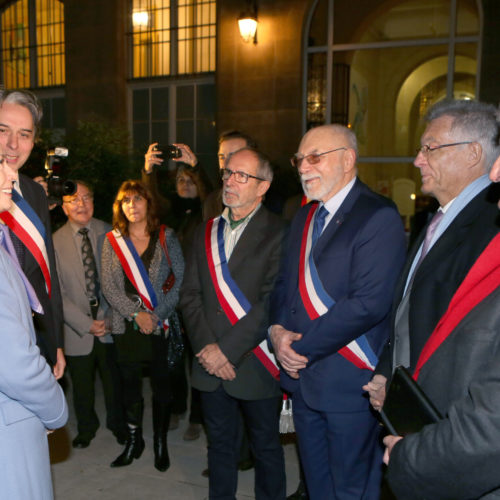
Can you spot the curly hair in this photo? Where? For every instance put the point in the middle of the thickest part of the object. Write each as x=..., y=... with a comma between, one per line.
x=120, y=222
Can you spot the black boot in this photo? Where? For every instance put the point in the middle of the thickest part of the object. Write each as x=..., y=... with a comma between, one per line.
x=161, y=420
x=135, y=442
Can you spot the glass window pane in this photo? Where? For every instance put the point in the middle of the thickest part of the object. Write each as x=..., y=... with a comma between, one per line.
x=378, y=20
x=464, y=83
x=15, y=45
x=185, y=102
x=185, y=132
x=159, y=103
x=205, y=102
x=316, y=90
x=159, y=133
x=389, y=91
x=141, y=136
x=50, y=42
x=156, y=33
x=467, y=17
x=140, y=106
x=318, y=34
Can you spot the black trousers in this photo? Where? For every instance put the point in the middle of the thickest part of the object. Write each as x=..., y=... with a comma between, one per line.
x=220, y=412
x=82, y=370
x=131, y=375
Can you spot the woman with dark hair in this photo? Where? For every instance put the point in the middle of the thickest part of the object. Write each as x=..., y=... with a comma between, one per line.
x=142, y=270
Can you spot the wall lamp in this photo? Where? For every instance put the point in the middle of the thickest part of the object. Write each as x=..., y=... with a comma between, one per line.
x=247, y=22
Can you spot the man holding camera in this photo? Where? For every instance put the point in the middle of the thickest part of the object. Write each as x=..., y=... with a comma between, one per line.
x=29, y=221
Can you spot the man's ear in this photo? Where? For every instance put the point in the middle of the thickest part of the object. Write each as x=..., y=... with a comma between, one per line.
x=349, y=160
x=474, y=153
x=263, y=187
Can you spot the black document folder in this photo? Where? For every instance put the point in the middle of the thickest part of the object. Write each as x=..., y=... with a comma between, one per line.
x=406, y=408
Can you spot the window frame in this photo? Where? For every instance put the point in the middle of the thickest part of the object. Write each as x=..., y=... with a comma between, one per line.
x=330, y=48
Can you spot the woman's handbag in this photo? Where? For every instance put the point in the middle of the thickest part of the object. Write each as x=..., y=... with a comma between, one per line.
x=170, y=280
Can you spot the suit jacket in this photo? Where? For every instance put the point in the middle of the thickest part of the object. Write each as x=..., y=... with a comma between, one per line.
x=442, y=270
x=253, y=265
x=459, y=456
x=49, y=325
x=359, y=257
x=30, y=398
x=77, y=314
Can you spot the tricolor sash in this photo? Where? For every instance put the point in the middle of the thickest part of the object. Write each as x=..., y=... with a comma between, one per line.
x=24, y=222
x=482, y=280
x=231, y=299
x=317, y=302
x=134, y=269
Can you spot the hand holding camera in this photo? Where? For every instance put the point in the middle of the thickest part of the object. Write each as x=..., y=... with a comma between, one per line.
x=156, y=154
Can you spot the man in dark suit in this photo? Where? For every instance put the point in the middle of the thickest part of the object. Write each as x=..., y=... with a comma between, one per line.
x=88, y=344
x=225, y=304
x=334, y=290
x=20, y=118
x=460, y=376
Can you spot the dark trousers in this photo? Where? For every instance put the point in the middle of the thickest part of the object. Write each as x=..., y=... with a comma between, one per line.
x=131, y=375
x=341, y=453
x=82, y=370
x=220, y=413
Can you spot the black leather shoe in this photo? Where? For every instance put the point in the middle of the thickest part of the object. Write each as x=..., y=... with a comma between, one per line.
x=300, y=494
x=133, y=448
x=82, y=441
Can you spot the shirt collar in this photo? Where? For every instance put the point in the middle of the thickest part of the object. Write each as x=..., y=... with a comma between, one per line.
x=333, y=204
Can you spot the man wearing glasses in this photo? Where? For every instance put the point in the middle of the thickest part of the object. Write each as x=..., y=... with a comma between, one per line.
x=225, y=303
x=330, y=312
x=445, y=316
x=87, y=341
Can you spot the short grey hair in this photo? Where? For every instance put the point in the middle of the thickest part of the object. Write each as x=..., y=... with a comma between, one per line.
x=264, y=167
x=472, y=121
x=28, y=100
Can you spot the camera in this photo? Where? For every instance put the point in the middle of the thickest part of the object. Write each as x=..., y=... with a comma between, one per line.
x=57, y=186
x=170, y=151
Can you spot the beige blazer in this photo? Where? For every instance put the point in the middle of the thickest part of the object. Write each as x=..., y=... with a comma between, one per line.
x=77, y=315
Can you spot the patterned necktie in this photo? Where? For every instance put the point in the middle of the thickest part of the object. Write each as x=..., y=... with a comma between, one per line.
x=319, y=224
x=429, y=234
x=89, y=266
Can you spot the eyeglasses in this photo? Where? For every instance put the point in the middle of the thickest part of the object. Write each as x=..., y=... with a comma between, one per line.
x=426, y=149
x=312, y=158
x=86, y=198
x=241, y=177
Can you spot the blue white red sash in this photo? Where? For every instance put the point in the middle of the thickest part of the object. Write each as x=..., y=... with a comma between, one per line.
x=317, y=302
x=134, y=269
x=231, y=298
x=23, y=221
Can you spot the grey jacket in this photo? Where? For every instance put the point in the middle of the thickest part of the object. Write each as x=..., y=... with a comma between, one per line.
x=459, y=457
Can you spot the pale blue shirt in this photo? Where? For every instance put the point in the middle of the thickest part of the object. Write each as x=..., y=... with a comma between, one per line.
x=333, y=204
x=451, y=210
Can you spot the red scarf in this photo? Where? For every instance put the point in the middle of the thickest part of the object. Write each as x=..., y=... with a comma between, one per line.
x=482, y=279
